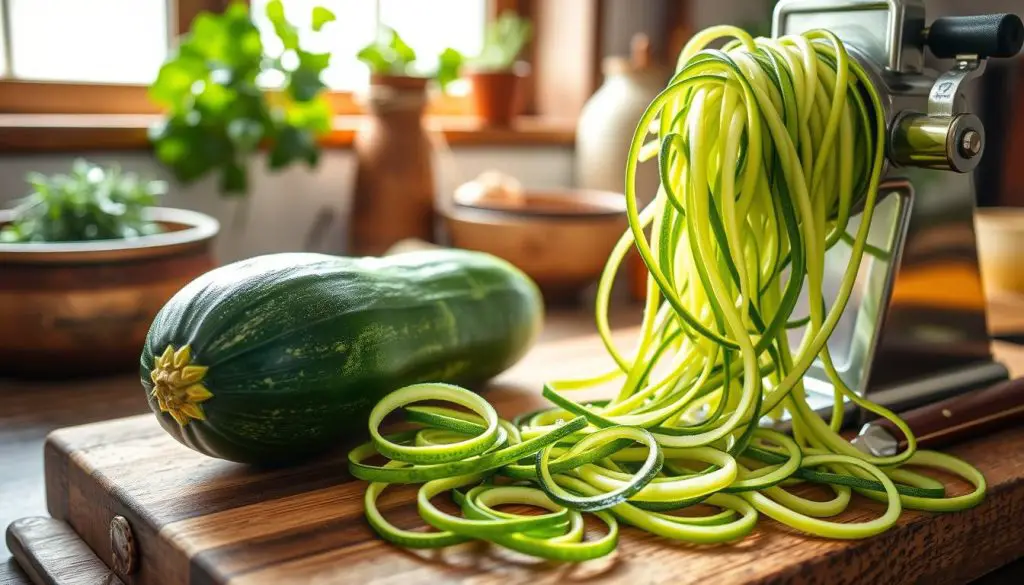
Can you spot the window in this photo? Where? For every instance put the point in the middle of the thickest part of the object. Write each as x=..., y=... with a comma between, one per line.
x=74, y=74
x=96, y=41
x=3, y=43
x=97, y=56
x=428, y=27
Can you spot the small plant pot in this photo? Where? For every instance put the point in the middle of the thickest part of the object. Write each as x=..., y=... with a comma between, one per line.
x=398, y=82
x=79, y=309
x=496, y=94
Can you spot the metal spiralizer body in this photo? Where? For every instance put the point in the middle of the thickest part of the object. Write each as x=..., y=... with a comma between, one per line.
x=915, y=328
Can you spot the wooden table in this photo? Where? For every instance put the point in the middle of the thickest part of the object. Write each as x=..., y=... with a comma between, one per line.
x=29, y=411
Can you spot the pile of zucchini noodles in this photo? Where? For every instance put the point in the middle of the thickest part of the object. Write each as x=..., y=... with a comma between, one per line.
x=764, y=148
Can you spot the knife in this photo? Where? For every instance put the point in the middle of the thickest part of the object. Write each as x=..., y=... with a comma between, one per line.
x=970, y=414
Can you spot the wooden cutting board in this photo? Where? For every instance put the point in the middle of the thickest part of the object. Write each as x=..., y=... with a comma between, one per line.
x=196, y=520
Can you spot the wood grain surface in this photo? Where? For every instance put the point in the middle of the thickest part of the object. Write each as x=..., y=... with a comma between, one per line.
x=12, y=574
x=59, y=555
x=197, y=520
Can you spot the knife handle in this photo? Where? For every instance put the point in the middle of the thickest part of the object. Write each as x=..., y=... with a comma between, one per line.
x=970, y=414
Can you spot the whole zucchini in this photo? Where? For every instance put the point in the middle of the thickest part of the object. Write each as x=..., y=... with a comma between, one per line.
x=279, y=357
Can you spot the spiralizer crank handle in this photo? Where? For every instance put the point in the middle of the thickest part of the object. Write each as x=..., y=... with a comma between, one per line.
x=986, y=35
x=946, y=137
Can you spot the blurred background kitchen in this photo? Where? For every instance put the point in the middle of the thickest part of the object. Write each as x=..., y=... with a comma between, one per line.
x=79, y=79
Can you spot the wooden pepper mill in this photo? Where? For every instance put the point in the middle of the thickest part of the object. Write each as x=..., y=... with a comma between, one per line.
x=394, y=190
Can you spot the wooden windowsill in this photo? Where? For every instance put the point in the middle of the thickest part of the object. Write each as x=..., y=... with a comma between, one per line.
x=91, y=132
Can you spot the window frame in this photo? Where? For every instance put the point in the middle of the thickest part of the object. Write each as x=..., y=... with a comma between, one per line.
x=565, y=71
x=19, y=96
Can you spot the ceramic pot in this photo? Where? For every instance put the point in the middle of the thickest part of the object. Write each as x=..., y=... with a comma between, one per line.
x=605, y=130
x=394, y=189
x=83, y=308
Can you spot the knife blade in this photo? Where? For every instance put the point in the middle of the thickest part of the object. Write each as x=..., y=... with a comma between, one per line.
x=970, y=414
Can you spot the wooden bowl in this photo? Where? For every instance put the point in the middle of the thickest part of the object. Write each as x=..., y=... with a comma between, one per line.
x=84, y=308
x=1000, y=232
x=560, y=238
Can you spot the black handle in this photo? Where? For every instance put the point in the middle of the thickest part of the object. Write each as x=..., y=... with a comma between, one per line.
x=987, y=35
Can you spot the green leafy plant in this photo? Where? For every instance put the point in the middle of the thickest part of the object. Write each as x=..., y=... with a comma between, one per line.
x=504, y=39
x=217, y=112
x=448, y=65
x=389, y=54
x=90, y=203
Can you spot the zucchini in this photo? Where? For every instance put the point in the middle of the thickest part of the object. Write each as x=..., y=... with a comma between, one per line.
x=280, y=357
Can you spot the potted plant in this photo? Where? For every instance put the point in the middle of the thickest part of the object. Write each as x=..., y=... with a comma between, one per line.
x=88, y=259
x=495, y=73
x=393, y=197
x=225, y=97
x=393, y=62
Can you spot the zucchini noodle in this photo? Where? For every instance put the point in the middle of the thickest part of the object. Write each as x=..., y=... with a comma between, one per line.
x=766, y=148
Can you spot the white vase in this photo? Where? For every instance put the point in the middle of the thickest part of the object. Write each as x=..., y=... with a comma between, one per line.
x=609, y=119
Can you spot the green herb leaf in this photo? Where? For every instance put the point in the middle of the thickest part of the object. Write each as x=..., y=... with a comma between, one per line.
x=389, y=54
x=448, y=65
x=321, y=16
x=292, y=145
x=91, y=203
x=403, y=52
x=374, y=57
x=305, y=80
x=504, y=39
x=288, y=34
x=209, y=37
x=245, y=133
x=176, y=79
x=314, y=115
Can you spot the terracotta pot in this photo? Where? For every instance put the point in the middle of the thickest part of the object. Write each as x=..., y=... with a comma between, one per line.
x=84, y=308
x=560, y=238
x=496, y=95
x=394, y=191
